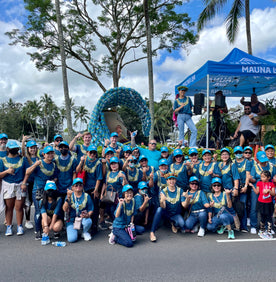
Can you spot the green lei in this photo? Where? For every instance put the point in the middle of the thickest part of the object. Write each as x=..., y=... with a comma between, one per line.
x=64, y=168
x=172, y=200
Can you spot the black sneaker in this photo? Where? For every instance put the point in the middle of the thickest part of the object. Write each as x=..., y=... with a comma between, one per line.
x=56, y=235
x=38, y=236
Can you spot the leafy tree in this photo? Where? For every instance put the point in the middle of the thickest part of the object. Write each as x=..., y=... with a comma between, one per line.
x=119, y=29
x=239, y=7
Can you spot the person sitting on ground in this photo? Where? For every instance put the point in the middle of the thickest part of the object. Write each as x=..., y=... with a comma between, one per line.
x=80, y=208
x=248, y=126
x=256, y=106
x=218, y=215
x=171, y=202
x=124, y=217
x=51, y=213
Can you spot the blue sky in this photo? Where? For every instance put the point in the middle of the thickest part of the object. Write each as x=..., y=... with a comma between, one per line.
x=20, y=80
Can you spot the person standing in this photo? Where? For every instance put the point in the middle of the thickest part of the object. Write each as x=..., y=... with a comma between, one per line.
x=183, y=108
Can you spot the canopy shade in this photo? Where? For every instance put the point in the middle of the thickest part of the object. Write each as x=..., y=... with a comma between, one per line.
x=238, y=74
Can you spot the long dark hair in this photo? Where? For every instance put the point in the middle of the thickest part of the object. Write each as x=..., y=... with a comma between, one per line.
x=54, y=197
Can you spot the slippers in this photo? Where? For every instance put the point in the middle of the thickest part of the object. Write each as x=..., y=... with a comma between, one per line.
x=153, y=238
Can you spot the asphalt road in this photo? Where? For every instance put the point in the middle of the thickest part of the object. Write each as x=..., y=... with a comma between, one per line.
x=174, y=257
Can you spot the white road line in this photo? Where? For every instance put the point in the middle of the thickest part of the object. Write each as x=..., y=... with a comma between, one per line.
x=245, y=240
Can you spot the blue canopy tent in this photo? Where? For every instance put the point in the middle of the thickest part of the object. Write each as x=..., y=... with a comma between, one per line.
x=238, y=74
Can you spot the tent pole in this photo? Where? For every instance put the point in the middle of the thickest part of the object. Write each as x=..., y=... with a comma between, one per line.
x=208, y=113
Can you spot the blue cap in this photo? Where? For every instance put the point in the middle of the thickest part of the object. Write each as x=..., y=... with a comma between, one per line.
x=164, y=149
x=163, y=162
x=114, y=160
x=114, y=134
x=206, y=151
x=216, y=180
x=238, y=149
x=135, y=148
x=261, y=157
x=127, y=187
x=269, y=146
x=3, y=135
x=177, y=152
x=12, y=144
x=225, y=150
x=126, y=148
x=142, y=157
x=31, y=143
x=193, y=151
x=247, y=148
x=92, y=148
x=48, y=149
x=142, y=185
x=193, y=178
x=64, y=143
x=50, y=185
x=57, y=136
x=109, y=149
x=77, y=180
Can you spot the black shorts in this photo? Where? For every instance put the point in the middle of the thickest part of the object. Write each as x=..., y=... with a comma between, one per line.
x=247, y=134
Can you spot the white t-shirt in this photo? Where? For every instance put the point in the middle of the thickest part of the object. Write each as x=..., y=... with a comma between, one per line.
x=247, y=124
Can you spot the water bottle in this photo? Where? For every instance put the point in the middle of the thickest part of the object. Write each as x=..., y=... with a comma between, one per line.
x=66, y=216
x=134, y=133
x=59, y=244
x=133, y=231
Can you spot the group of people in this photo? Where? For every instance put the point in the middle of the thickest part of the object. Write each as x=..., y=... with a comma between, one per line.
x=247, y=129
x=130, y=189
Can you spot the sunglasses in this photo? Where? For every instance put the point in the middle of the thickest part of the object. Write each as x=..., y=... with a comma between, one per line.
x=248, y=153
x=78, y=184
x=194, y=183
x=59, y=140
x=246, y=109
x=153, y=144
x=238, y=153
x=216, y=185
x=179, y=156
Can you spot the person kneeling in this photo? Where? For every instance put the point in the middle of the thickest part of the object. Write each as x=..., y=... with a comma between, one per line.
x=124, y=231
x=80, y=207
x=51, y=212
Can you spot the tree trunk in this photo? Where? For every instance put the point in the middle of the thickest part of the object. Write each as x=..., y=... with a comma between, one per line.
x=64, y=72
x=247, y=24
x=150, y=68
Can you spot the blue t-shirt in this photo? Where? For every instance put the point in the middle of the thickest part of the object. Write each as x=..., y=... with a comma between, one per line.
x=197, y=201
x=66, y=169
x=219, y=202
x=116, y=182
x=19, y=164
x=152, y=156
x=257, y=169
x=127, y=211
x=273, y=161
x=3, y=154
x=187, y=109
x=77, y=205
x=182, y=176
x=43, y=173
x=94, y=172
x=229, y=174
x=80, y=151
x=133, y=178
x=202, y=173
x=173, y=201
x=243, y=167
x=48, y=208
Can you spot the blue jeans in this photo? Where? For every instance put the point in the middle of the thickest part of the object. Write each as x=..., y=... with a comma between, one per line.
x=181, y=120
x=243, y=199
x=37, y=214
x=253, y=209
x=72, y=234
x=177, y=220
x=122, y=237
x=194, y=218
x=224, y=219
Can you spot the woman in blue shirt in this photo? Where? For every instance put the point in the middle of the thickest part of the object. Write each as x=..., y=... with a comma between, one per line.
x=80, y=208
x=171, y=202
x=183, y=108
x=124, y=216
x=12, y=173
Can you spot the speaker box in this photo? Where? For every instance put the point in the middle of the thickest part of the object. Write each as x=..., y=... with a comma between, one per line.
x=198, y=103
x=220, y=101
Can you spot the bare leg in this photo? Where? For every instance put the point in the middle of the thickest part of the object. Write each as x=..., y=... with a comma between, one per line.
x=19, y=210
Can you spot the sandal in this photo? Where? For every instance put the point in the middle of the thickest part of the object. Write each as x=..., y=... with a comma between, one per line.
x=152, y=237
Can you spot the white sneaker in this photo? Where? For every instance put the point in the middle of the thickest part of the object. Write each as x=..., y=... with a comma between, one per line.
x=272, y=232
x=248, y=222
x=29, y=225
x=253, y=230
x=20, y=230
x=195, y=229
x=111, y=239
x=86, y=236
x=201, y=232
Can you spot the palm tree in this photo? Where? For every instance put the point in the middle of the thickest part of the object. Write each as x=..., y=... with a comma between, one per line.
x=232, y=20
x=81, y=114
x=31, y=111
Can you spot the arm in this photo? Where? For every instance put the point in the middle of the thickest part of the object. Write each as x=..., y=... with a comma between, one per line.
x=228, y=199
x=262, y=110
x=118, y=211
x=144, y=205
x=31, y=169
x=72, y=143
x=162, y=200
x=80, y=165
x=237, y=130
